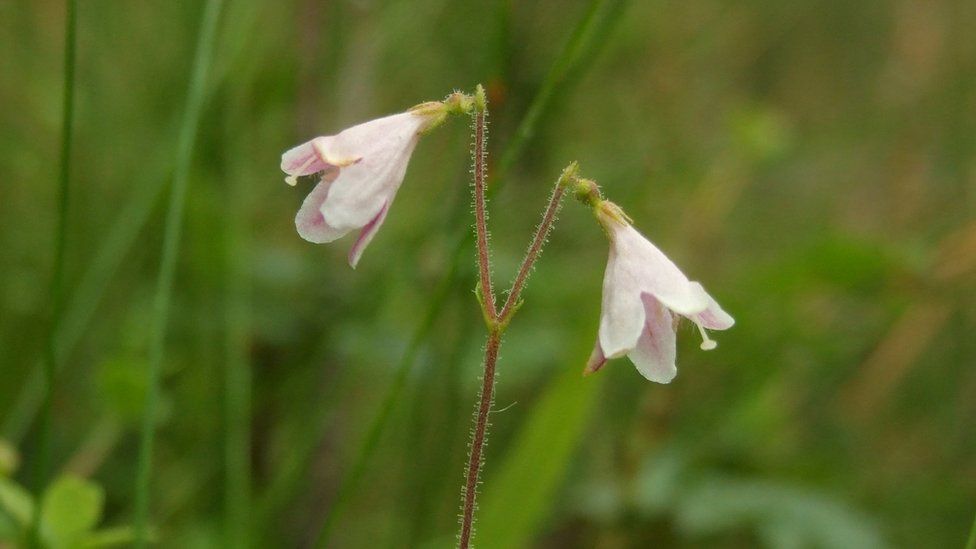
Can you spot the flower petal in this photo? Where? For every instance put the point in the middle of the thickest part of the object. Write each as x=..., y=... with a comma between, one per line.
x=303, y=159
x=655, y=273
x=655, y=352
x=373, y=136
x=382, y=150
x=367, y=235
x=622, y=314
x=309, y=221
x=713, y=317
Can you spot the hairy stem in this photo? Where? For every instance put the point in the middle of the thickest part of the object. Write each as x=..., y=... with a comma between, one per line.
x=167, y=268
x=535, y=249
x=42, y=464
x=480, y=218
x=475, y=458
x=586, y=39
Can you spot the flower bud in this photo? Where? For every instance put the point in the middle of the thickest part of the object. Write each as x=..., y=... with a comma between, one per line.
x=480, y=101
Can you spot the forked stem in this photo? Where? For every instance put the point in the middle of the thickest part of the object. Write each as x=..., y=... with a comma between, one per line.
x=497, y=323
x=568, y=176
x=486, y=297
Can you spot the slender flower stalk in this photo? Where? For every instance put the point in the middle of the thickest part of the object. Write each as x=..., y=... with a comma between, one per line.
x=478, y=154
x=568, y=176
x=42, y=464
x=167, y=269
x=486, y=297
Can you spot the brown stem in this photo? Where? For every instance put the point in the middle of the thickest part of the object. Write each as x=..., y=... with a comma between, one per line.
x=480, y=216
x=535, y=249
x=478, y=438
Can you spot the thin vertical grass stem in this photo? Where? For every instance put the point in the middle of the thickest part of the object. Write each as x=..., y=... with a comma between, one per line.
x=42, y=464
x=171, y=238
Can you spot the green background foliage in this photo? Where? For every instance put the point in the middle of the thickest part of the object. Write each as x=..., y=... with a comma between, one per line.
x=812, y=163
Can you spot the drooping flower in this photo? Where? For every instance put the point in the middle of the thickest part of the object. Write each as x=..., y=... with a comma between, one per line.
x=643, y=290
x=362, y=168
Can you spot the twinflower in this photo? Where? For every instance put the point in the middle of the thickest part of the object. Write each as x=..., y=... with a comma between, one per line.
x=643, y=290
x=361, y=170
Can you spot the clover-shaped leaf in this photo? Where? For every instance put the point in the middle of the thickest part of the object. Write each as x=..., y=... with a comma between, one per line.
x=71, y=508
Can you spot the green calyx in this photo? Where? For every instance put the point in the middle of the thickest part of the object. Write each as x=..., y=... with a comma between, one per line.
x=607, y=212
x=585, y=190
x=434, y=111
x=588, y=193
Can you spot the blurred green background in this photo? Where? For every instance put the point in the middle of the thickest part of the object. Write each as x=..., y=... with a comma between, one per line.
x=813, y=163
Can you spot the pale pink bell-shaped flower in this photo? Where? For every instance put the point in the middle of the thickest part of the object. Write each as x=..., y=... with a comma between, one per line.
x=642, y=291
x=362, y=168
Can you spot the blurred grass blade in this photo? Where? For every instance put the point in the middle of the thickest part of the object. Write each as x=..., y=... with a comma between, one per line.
x=237, y=366
x=237, y=397
x=42, y=463
x=583, y=45
x=350, y=481
x=171, y=238
x=971, y=544
x=518, y=496
x=84, y=300
x=600, y=15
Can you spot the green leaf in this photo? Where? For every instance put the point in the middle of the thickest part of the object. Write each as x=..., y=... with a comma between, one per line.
x=71, y=509
x=518, y=497
x=782, y=515
x=16, y=501
x=9, y=530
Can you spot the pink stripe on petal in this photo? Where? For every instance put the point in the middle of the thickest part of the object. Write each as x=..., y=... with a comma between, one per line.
x=713, y=318
x=656, y=349
x=596, y=360
x=366, y=235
